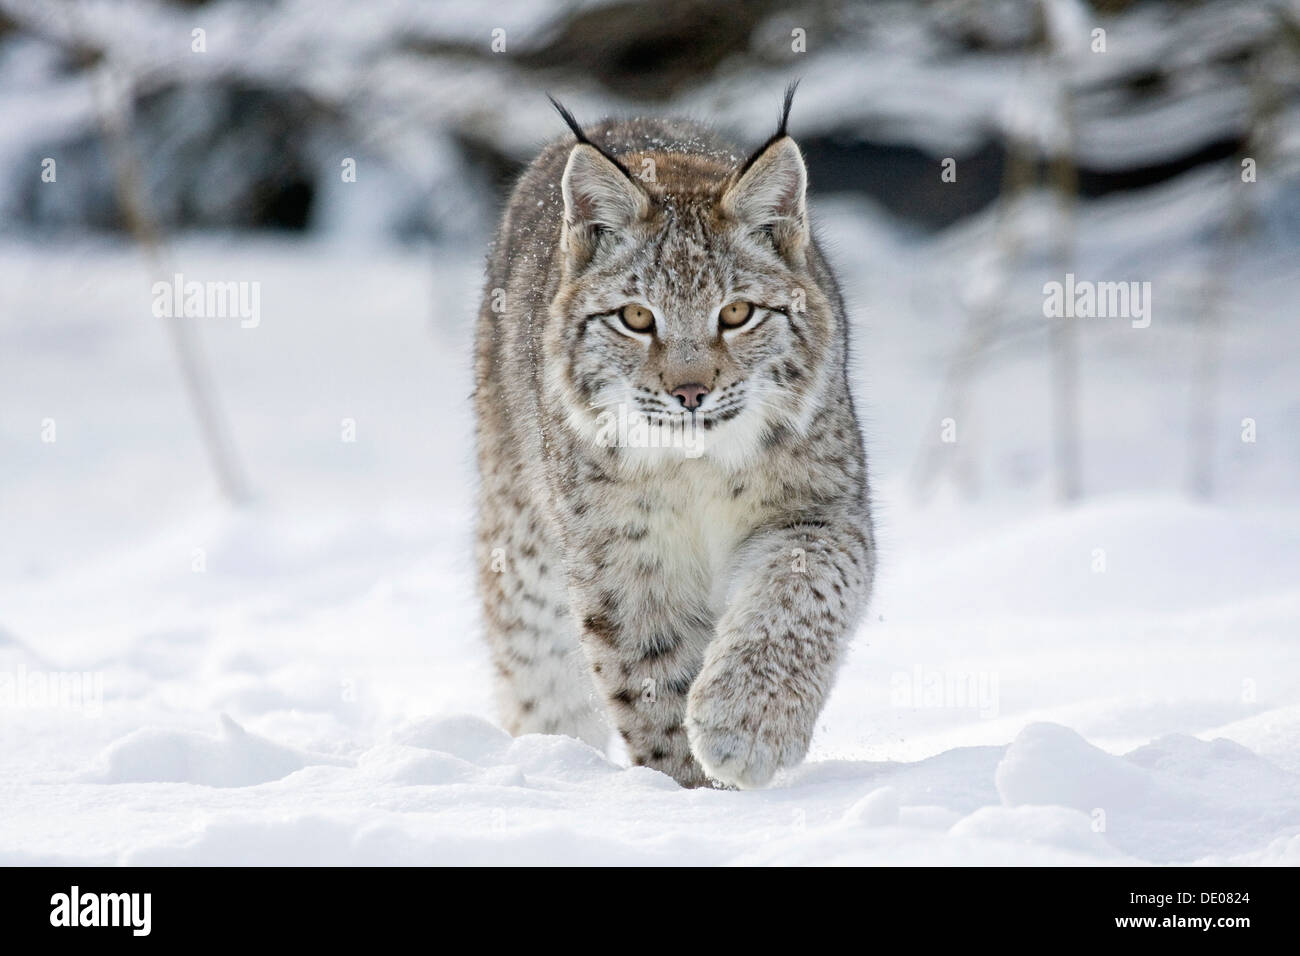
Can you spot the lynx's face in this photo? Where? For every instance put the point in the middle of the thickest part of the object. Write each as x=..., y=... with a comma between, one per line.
x=686, y=320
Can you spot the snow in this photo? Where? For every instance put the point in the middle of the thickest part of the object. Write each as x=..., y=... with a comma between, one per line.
x=887, y=72
x=234, y=758
x=301, y=681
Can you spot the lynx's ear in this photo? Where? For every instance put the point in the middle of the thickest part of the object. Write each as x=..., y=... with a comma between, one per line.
x=769, y=196
x=598, y=196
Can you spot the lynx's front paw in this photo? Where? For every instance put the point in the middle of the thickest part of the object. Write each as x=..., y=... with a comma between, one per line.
x=744, y=724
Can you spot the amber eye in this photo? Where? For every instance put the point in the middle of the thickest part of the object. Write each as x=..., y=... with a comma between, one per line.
x=637, y=318
x=736, y=314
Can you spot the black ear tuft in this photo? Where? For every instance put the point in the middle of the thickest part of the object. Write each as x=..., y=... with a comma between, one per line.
x=780, y=129
x=582, y=137
x=568, y=118
x=785, y=109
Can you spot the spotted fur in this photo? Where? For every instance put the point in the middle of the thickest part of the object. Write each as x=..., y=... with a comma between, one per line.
x=696, y=597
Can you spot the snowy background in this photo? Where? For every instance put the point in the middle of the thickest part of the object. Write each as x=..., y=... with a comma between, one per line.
x=285, y=667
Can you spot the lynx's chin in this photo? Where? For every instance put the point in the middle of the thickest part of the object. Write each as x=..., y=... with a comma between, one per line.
x=728, y=433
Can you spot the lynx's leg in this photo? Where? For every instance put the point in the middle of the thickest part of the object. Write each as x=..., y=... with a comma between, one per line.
x=644, y=628
x=543, y=683
x=644, y=667
x=794, y=601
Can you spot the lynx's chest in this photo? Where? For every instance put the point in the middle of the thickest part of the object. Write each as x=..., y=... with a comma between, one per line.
x=700, y=518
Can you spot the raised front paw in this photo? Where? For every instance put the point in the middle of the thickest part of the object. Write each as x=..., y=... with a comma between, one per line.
x=744, y=726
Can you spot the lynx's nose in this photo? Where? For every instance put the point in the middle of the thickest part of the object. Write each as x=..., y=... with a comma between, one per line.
x=690, y=395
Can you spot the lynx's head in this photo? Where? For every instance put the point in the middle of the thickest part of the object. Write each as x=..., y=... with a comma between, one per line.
x=688, y=316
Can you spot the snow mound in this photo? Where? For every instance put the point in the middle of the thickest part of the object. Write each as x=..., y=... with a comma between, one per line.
x=1051, y=764
x=1273, y=734
x=1175, y=799
x=461, y=735
x=232, y=758
x=1058, y=827
x=879, y=808
x=409, y=766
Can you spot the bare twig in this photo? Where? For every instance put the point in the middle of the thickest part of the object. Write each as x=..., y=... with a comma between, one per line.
x=1063, y=330
x=1265, y=104
x=114, y=106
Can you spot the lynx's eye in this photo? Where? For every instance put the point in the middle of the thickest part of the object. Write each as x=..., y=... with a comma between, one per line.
x=735, y=314
x=637, y=318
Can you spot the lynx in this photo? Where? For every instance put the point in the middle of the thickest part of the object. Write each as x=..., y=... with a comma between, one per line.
x=674, y=536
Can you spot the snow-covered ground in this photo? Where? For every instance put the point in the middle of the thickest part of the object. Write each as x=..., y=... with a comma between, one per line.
x=300, y=680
